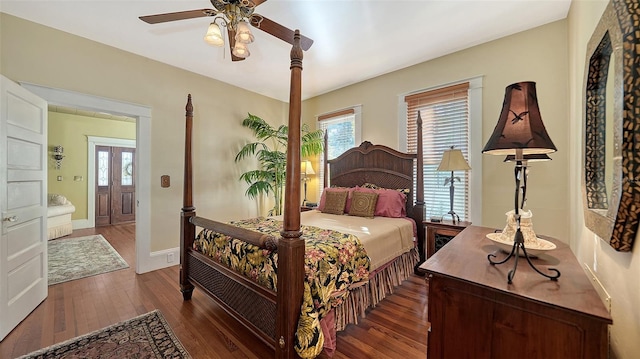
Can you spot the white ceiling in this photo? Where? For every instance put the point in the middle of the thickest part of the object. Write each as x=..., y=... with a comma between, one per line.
x=355, y=40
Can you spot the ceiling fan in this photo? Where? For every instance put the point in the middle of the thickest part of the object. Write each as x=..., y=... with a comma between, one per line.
x=234, y=15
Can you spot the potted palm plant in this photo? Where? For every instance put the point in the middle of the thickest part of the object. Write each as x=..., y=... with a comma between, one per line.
x=270, y=151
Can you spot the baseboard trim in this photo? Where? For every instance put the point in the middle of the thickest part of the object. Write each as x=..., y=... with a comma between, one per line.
x=158, y=260
x=81, y=224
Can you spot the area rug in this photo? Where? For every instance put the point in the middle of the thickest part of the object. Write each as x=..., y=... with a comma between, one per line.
x=75, y=258
x=144, y=337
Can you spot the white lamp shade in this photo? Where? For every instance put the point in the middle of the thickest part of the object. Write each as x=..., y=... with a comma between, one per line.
x=453, y=160
x=243, y=33
x=214, y=35
x=306, y=168
x=240, y=50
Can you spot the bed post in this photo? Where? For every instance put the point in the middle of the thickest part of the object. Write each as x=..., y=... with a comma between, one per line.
x=418, y=209
x=326, y=160
x=187, y=229
x=291, y=246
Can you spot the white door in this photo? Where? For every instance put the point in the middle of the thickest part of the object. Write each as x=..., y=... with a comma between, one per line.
x=23, y=203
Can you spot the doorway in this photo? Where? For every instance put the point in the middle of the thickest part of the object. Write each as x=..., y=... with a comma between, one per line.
x=145, y=262
x=114, y=185
x=95, y=142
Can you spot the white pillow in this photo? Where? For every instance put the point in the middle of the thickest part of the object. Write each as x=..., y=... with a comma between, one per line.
x=57, y=200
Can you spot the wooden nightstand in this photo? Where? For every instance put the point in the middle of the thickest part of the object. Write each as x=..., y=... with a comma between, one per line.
x=305, y=208
x=440, y=233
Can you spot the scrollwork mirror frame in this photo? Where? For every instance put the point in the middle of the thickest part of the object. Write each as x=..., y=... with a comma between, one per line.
x=613, y=216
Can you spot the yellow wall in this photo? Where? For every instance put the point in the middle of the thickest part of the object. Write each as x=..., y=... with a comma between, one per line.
x=71, y=132
x=617, y=271
x=37, y=54
x=539, y=55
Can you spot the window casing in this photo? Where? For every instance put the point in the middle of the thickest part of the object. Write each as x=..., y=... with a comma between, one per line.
x=445, y=114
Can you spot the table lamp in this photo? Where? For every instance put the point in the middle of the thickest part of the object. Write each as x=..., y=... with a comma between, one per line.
x=306, y=170
x=520, y=133
x=452, y=160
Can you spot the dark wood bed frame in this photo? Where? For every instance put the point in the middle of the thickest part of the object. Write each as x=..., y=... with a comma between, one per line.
x=273, y=316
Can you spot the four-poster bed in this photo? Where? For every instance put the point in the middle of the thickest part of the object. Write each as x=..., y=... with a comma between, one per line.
x=273, y=314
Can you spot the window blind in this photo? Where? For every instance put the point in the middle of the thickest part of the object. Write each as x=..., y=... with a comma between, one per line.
x=445, y=123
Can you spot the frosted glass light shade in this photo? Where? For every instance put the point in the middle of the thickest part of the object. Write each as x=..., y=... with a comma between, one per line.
x=243, y=33
x=214, y=35
x=240, y=50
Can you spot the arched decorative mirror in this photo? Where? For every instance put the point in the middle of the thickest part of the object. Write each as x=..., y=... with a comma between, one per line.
x=611, y=154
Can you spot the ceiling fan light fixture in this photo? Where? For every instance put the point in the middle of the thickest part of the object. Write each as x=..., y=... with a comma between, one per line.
x=240, y=50
x=233, y=20
x=214, y=35
x=243, y=33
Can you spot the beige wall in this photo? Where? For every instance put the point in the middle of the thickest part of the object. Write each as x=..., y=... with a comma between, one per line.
x=41, y=55
x=551, y=55
x=617, y=271
x=71, y=132
x=538, y=55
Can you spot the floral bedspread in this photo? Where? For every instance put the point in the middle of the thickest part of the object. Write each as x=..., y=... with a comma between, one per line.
x=333, y=261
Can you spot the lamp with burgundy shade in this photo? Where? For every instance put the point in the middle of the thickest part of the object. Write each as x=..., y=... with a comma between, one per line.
x=521, y=136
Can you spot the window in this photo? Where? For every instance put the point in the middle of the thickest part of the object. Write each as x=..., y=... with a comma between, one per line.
x=103, y=168
x=343, y=132
x=127, y=169
x=446, y=121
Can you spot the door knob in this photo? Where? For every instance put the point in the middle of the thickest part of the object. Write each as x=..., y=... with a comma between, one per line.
x=11, y=219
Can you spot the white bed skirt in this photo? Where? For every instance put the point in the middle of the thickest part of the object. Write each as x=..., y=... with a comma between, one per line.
x=60, y=230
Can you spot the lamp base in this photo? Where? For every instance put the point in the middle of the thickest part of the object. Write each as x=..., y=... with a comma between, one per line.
x=454, y=217
x=504, y=239
x=304, y=201
x=519, y=246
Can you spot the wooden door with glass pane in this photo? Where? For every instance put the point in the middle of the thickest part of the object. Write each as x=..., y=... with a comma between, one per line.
x=115, y=185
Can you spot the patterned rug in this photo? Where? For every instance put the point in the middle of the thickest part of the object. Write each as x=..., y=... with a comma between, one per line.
x=144, y=337
x=75, y=258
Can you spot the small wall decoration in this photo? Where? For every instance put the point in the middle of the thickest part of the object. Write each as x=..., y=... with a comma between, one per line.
x=58, y=155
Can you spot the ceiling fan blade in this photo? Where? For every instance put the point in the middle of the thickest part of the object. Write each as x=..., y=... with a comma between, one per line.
x=257, y=2
x=232, y=43
x=278, y=31
x=173, y=16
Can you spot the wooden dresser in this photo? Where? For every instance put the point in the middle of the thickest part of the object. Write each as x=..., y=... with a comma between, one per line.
x=474, y=313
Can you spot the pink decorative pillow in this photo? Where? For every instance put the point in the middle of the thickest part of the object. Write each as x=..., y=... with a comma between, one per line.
x=391, y=203
x=323, y=198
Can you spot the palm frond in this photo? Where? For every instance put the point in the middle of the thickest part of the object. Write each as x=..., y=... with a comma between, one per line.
x=250, y=150
x=258, y=188
x=312, y=143
x=256, y=176
x=269, y=179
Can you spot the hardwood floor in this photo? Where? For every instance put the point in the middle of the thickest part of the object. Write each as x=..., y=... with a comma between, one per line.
x=396, y=328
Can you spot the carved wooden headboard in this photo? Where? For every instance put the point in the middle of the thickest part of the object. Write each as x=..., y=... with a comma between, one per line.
x=376, y=164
